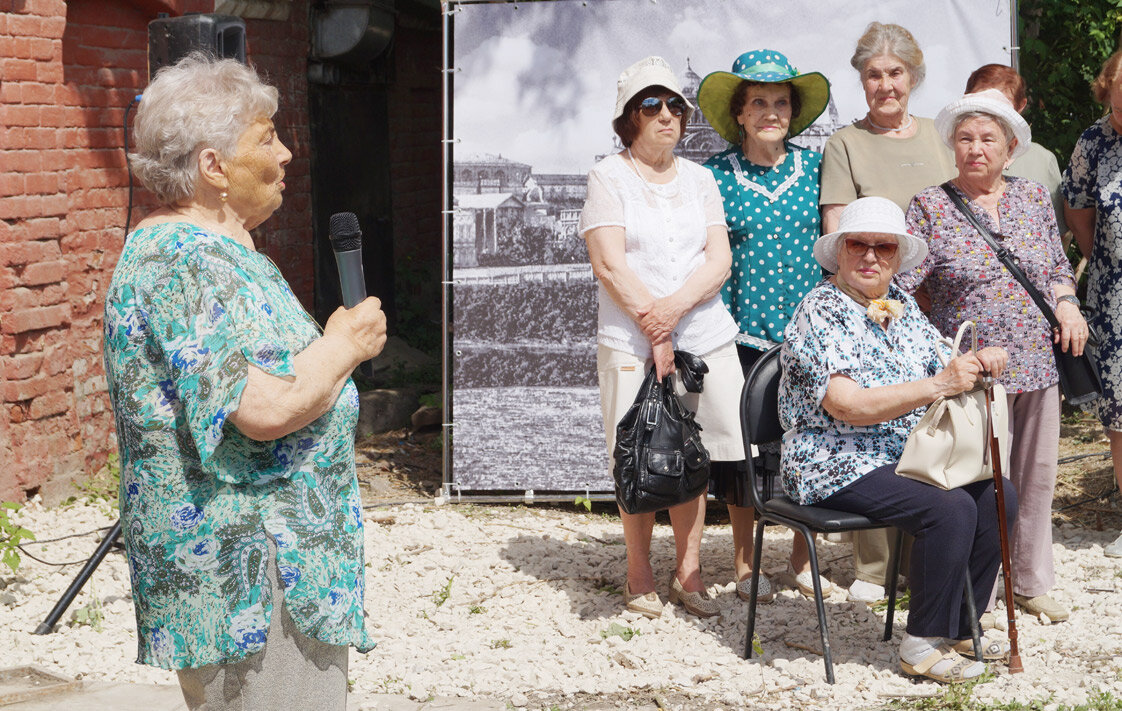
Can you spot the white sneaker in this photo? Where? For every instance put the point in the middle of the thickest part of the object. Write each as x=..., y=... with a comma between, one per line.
x=1114, y=550
x=868, y=593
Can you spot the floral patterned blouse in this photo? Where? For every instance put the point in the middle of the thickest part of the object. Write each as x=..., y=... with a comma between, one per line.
x=967, y=281
x=772, y=218
x=830, y=333
x=186, y=313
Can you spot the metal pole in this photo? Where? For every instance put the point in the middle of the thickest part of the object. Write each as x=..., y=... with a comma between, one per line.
x=1015, y=37
x=48, y=625
x=447, y=240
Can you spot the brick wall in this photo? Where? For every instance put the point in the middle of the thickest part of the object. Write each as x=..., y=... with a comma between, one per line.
x=415, y=115
x=67, y=72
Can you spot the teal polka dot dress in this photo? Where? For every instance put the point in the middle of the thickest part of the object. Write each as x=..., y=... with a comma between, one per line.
x=773, y=222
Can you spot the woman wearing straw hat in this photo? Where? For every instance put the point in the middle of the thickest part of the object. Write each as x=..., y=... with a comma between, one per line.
x=964, y=278
x=893, y=154
x=656, y=238
x=770, y=191
x=860, y=362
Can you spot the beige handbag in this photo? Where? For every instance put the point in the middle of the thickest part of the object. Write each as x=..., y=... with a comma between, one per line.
x=949, y=446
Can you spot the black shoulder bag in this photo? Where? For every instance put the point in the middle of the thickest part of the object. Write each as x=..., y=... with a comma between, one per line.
x=1079, y=377
x=659, y=459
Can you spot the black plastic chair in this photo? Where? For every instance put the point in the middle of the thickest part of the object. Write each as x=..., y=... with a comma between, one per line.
x=759, y=421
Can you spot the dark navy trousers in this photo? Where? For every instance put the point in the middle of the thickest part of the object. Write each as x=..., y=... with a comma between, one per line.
x=955, y=533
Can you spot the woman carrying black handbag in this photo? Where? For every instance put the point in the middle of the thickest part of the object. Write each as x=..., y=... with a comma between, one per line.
x=655, y=229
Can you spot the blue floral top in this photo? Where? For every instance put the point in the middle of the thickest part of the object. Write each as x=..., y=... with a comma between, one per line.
x=830, y=333
x=772, y=217
x=186, y=313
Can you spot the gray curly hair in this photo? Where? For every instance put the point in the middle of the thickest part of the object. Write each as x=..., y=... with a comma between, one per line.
x=886, y=38
x=199, y=102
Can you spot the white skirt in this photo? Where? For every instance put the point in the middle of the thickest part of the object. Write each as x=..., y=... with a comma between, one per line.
x=717, y=405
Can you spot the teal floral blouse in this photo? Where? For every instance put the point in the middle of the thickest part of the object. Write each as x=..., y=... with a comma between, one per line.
x=186, y=313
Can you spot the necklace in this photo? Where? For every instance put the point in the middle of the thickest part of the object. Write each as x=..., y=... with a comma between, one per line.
x=659, y=188
x=772, y=195
x=905, y=127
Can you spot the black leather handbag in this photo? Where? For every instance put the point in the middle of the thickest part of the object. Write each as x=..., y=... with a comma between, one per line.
x=1079, y=375
x=659, y=458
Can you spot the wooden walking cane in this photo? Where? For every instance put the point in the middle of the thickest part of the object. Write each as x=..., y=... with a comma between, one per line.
x=1015, y=666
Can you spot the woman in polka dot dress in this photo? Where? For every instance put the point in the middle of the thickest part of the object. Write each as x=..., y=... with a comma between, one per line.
x=770, y=191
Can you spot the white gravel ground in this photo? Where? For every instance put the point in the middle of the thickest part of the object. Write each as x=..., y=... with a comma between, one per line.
x=532, y=593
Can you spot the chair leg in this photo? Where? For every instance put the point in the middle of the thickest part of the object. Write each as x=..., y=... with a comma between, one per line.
x=757, y=557
x=820, y=605
x=972, y=610
x=890, y=583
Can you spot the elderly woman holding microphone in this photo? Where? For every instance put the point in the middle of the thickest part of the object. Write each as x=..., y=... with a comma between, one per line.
x=770, y=191
x=657, y=241
x=966, y=280
x=860, y=362
x=892, y=154
x=235, y=414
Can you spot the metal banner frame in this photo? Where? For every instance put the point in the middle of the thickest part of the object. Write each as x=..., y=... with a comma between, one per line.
x=476, y=204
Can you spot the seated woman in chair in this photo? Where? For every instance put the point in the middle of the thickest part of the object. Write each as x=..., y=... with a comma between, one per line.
x=860, y=363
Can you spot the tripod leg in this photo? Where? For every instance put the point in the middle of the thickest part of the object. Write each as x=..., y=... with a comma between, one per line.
x=47, y=626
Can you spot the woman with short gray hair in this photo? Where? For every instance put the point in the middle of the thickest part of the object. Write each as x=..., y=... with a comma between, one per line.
x=965, y=279
x=235, y=414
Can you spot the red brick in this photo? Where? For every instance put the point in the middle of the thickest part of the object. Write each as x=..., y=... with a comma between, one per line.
x=19, y=390
x=54, y=403
x=20, y=115
x=44, y=273
x=29, y=252
x=35, y=319
x=21, y=366
x=11, y=183
x=42, y=183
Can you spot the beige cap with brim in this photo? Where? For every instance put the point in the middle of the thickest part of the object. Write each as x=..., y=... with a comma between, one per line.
x=649, y=71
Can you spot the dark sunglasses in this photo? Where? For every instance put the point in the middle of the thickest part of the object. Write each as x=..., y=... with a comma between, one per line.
x=857, y=248
x=652, y=106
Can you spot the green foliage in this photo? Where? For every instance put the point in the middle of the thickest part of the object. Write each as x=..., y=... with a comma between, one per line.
x=903, y=600
x=440, y=596
x=476, y=610
x=91, y=613
x=584, y=501
x=757, y=645
x=1063, y=46
x=617, y=630
x=100, y=487
x=500, y=644
x=959, y=697
x=11, y=535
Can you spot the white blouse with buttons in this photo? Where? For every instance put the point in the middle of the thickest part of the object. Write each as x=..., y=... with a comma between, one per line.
x=665, y=228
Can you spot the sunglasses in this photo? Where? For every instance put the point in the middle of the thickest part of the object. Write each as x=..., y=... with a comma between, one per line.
x=652, y=106
x=857, y=248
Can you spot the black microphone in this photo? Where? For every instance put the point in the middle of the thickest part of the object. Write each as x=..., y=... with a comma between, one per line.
x=346, y=242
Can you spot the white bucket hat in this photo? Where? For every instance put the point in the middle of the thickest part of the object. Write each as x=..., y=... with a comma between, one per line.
x=872, y=214
x=987, y=101
x=650, y=71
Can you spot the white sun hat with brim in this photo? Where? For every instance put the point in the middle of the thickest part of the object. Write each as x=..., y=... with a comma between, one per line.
x=987, y=101
x=872, y=215
x=649, y=71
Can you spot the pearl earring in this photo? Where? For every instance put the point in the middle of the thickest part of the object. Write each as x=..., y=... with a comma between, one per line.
x=223, y=196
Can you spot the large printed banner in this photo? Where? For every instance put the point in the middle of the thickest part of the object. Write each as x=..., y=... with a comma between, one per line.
x=534, y=85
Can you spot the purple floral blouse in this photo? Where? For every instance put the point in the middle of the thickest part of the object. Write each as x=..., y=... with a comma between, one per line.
x=967, y=281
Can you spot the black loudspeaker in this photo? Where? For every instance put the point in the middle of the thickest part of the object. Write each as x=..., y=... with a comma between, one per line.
x=172, y=38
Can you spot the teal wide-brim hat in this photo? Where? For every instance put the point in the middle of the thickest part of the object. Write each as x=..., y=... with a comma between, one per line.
x=769, y=67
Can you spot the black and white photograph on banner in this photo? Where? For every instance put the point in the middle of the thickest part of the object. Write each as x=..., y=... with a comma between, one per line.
x=533, y=90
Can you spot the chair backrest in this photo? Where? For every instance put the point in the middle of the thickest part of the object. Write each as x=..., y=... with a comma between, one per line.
x=759, y=422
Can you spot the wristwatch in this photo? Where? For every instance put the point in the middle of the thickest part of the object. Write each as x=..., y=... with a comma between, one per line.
x=1070, y=298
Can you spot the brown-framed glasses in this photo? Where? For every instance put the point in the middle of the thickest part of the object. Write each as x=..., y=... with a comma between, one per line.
x=882, y=250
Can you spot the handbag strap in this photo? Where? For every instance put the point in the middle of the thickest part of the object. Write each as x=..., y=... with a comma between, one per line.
x=1004, y=255
x=956, y=347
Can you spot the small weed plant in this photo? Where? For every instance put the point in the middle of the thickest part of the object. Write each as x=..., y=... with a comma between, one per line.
x=11, y=535
x=440, y=595
x=617, y=630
